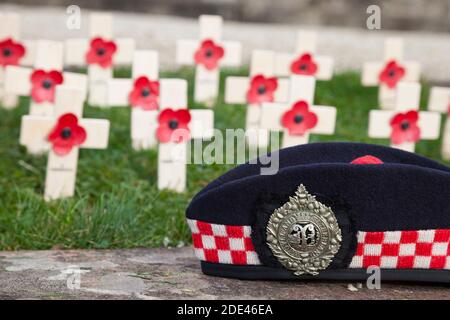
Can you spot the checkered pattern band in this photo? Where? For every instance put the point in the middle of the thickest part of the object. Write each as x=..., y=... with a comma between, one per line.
x=223, y=244
x=423, y=249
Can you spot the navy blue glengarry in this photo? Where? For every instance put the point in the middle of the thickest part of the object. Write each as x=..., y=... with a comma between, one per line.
x=393, y=213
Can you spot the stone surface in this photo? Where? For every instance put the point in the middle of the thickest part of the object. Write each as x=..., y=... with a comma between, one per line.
x=350, y=47
x=163, y=274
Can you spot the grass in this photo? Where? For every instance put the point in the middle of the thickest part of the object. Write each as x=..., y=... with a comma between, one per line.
x=117, y=204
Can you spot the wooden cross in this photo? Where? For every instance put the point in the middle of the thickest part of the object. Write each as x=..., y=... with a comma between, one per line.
x=304, y=61
x=101, y=52
x=387, y=73
x=172, y=156
x=48, y=62
x=41, y=82
x=209, y=53
x=12, y=52
x=439, y=101
x=142, y=94
x=298, y=118
x=405, y=125
x=65, y=132
x=261, y=86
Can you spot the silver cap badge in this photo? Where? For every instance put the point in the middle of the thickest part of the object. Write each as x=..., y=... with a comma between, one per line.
x=304, y=234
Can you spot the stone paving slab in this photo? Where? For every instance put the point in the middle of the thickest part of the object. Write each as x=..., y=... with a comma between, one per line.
x=350, y=47
x=164, y=274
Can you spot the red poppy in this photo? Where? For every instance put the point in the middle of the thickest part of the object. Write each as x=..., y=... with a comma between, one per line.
x=173, y=125
x=209, y=54
x=145, y=94
x=391, y=74
x=448, y=110
x=299, y=119
x=262, y=89
x=10, y=52
x=43, y=85
x=405, y=128
x=66, y=134
x=101, y=52
x=304, y=65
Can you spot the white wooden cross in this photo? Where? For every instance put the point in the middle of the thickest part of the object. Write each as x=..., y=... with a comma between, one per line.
x=100, y=26
x=439, y=101
x=172, y=156
x=207, y=78
x=387, y=73
x=10, y=30
x=49, y=57
x=304, y=61
x=64, y=139
x=121, y=93
x=298, y=118
x=405, y=125
x=18, y=81
x=253, y=91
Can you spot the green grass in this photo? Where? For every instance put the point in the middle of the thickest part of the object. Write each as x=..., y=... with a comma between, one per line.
x=117, y=204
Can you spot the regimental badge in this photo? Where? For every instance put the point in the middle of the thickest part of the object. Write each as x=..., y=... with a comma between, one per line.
x=304, y=234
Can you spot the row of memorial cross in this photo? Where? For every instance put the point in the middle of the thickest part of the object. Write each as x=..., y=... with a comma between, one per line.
x=279, y=92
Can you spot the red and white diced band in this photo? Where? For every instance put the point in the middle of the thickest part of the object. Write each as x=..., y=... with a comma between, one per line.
x=421, y=249
x=223, y=244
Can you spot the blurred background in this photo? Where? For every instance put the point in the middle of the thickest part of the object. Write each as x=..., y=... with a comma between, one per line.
x=343, y=26
x=429, y=15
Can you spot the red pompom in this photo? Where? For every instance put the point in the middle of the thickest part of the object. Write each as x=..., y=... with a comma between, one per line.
x=368, y=159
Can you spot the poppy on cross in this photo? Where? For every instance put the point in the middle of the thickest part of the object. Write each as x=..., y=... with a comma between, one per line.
x=260, y=86
x=387, y=73
x=299, y=117
x=64, y=133
x=405, y=125
x=100, y=52
x=208, y=54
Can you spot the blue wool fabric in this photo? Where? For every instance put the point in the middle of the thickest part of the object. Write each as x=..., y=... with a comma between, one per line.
x=406, y=192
